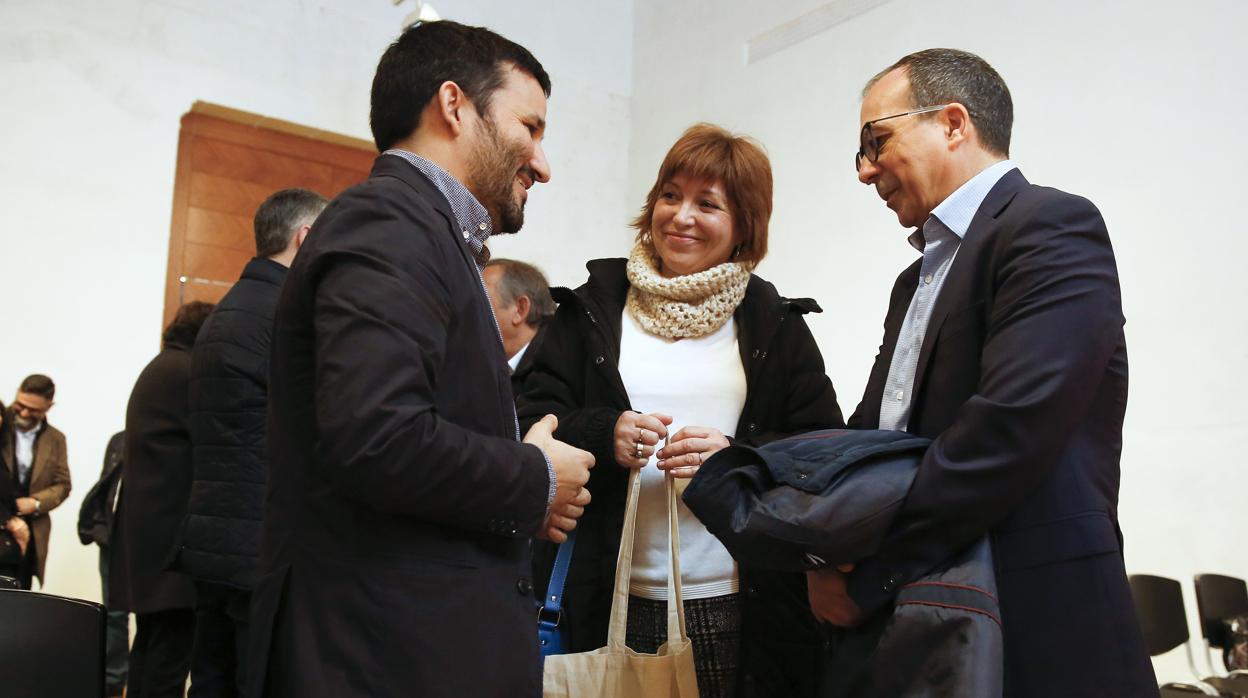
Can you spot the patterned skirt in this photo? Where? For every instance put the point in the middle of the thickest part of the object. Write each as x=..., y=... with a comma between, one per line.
x=714, y=627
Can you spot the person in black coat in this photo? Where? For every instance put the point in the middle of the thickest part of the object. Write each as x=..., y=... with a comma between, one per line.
x=229, y=397
x=156, y=479
x=96, y=517
x=682, y=334
x=395, y=546
x=522, y=305
x=14, y=532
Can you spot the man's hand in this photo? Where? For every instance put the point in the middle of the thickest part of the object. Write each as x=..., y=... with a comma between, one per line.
x=689, y=449
x=829, y=599
x=571, y=466
x=26, y=506
x=636, y=435
x=20, y=532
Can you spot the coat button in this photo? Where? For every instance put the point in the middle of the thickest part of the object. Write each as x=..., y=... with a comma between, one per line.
x=803, y=476
x=524, y=586
x=755, y=354
x=599, y=359
x=753, y=427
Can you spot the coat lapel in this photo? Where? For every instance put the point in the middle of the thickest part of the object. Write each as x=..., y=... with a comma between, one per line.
x=954, y=291
x=8, y=449
x=39, y=461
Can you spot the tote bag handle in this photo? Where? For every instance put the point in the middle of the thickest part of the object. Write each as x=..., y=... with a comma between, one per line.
x=624, y=567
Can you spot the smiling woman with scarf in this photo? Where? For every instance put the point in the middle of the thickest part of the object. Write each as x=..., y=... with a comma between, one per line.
x=654, y=364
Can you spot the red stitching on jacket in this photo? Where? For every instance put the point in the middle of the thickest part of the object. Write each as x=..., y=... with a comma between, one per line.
x=951, y=586
x=841, y=432
x=955, y=607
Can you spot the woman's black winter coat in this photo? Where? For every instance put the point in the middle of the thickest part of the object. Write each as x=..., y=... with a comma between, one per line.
x=576, y=377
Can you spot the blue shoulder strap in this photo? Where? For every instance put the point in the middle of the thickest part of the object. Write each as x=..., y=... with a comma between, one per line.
x=551, y=611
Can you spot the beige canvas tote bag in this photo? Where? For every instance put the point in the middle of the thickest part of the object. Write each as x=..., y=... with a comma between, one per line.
x=615, y=671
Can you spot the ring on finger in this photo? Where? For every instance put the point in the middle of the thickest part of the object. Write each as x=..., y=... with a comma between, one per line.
x=637, y=453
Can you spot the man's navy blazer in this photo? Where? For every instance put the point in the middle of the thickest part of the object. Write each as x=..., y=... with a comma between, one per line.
x=395, y=552
x=1022, y=385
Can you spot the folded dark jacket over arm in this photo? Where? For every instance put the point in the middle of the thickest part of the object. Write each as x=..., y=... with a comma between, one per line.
x=829, y=497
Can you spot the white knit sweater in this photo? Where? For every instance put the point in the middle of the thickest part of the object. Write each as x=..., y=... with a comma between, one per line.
x=699, y=382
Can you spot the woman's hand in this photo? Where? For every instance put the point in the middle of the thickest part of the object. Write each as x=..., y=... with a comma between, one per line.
x=689, y=448
x=636, y=435
x=20, y=531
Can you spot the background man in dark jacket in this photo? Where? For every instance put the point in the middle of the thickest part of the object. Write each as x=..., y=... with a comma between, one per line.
x=156, y=479
x=95, y=525
x=522, y=304
x=229, y=398
x=395, y=555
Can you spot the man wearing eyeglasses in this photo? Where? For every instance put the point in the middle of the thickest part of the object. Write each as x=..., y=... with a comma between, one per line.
x=38, y=463
x=1003, y=343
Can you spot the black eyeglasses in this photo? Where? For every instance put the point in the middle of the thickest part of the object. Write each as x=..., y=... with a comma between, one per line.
x=869, y=147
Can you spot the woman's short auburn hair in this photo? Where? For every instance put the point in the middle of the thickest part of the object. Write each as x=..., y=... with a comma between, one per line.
x=740, y=164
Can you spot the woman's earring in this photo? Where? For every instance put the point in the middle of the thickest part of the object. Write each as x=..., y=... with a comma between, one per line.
x=736, y=252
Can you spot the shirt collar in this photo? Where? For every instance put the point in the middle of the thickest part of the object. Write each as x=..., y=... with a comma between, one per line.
x=514, y=362
x=958, y=209
x=471, y=217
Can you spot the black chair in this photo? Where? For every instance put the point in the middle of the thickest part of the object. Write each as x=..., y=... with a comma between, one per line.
x=1220, y=598
x=1159, y=608
x=50, y=646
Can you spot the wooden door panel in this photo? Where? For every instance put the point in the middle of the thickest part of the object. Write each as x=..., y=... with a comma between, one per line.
x=220, y=229
x=258, y=166
x=201, y=290
x=344, y=179
x=213, y=263
x=226, y=195
x=229, y=162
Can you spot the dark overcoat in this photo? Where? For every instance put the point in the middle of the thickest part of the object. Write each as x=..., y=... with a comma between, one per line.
x=395, y=545
x=155, y=482
x=575, y=376
x=1022, y=386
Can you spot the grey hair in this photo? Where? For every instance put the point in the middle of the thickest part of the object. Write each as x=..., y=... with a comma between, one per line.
x=281, y=215
x=523, y=279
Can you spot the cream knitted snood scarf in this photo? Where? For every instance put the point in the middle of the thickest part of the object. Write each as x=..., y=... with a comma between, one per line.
x=689, y=306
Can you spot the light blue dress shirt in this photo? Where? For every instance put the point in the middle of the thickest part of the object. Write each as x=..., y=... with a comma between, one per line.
x=938, y=240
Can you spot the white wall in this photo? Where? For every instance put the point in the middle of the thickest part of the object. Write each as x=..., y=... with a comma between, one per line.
x=1134, y=105
x=93, y=93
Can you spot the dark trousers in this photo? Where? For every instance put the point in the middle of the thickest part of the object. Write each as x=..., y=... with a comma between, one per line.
x=116, y=637
x=217, y=662
x=161, y=655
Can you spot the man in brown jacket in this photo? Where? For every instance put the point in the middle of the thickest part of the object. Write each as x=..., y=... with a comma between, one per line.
x=37, y=460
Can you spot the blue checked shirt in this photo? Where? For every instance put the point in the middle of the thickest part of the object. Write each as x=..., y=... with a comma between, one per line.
x=938, y=240
x=475, y=227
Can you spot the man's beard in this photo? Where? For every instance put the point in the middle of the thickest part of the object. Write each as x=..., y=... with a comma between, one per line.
x=492, y=174
x=24, y=423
